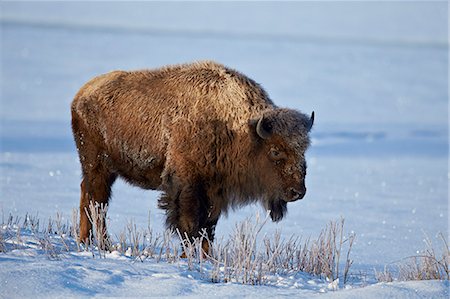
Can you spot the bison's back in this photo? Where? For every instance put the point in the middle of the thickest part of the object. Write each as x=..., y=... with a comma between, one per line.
x=203, y=90
x=131, y=113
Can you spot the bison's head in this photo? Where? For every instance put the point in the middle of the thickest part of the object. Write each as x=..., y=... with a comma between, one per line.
x=281, y=138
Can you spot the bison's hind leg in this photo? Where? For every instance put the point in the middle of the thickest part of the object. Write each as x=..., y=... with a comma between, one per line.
x=97, y=177
x=96, y=191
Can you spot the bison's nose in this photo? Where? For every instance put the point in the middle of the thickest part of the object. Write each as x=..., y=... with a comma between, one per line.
x=295, y=194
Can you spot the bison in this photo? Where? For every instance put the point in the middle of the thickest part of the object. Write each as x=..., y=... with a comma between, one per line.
x=207, y=136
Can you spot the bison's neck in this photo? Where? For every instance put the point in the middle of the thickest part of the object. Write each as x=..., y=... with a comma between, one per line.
x=242, y=178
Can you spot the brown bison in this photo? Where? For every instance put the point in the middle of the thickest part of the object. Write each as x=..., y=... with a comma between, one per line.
x=206, y=135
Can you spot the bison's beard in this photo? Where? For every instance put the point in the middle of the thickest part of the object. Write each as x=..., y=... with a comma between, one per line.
x=278, y=209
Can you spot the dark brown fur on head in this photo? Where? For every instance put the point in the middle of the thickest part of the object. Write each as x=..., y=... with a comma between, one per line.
x=282, y=139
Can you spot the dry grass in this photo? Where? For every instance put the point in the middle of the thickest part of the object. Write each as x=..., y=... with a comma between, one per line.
x=99, y=238
x=246, y=256
x=44, y=238
x=428, y=265
x=243, y=258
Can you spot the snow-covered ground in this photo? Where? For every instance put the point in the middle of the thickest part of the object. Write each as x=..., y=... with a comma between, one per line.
x=28, y=272
x=376, y=74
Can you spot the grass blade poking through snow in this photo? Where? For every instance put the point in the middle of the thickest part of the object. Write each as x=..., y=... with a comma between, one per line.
x=246, y=256
x=99, y=237
x=241, y=260
x=428, y=265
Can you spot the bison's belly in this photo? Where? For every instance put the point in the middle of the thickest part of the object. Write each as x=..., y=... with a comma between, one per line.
x=140, y=169
x=147, y=178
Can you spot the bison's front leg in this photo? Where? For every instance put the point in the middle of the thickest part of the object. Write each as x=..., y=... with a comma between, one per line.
x=210, y=227
x=187, y=210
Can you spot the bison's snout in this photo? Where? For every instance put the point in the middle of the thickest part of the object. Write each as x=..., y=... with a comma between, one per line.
x=295, y=194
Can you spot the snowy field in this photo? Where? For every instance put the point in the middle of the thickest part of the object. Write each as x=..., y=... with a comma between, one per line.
x=376, y=75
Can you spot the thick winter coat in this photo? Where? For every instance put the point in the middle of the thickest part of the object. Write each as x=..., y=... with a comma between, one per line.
x=207, y=136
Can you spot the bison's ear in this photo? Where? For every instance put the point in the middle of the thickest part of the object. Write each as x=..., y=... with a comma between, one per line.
x=310, y=122
x=261, y=126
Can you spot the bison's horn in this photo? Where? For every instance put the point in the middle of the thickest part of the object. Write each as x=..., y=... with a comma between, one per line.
x=311, y=121
x=262, y=132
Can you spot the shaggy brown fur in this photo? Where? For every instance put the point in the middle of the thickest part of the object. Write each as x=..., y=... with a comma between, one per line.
x=207, y=136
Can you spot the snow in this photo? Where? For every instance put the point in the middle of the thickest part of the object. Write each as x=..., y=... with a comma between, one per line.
x=376, y=75
x=78, y=274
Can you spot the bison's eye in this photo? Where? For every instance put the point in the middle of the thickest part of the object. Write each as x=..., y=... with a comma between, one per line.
x=276, y=154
